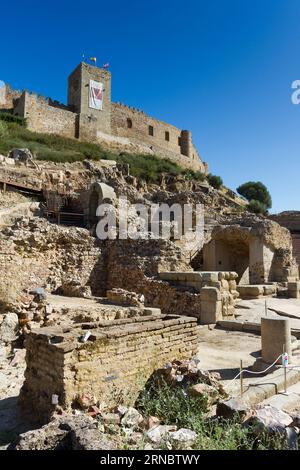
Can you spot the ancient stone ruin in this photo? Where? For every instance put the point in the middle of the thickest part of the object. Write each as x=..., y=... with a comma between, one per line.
x=99, y=318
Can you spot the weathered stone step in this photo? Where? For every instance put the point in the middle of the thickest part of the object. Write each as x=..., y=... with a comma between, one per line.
x=287, y=402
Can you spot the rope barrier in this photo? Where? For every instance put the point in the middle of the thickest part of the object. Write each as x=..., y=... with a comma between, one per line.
x=252, y=372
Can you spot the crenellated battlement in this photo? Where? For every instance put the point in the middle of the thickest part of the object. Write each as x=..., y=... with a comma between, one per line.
x=91, y=115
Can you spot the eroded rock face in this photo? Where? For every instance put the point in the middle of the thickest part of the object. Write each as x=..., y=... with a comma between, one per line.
x=9, y=327
x=233, y=408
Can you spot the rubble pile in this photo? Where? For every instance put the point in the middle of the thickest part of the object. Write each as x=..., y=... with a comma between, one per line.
x=195, y=381
x=93, y=429
x=121, y=296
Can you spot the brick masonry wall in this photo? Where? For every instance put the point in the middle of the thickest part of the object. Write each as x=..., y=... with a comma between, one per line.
x=116, y=361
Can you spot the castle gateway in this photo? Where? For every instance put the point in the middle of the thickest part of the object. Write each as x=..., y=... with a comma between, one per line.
x=90, y=115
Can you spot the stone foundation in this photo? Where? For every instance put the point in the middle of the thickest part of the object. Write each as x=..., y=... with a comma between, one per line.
x=117, y=359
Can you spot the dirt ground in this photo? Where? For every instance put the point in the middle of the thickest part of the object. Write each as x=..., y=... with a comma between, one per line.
x=221, y=350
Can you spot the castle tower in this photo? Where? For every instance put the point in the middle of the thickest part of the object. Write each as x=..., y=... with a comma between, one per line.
x=89, y=95
x=186, y=143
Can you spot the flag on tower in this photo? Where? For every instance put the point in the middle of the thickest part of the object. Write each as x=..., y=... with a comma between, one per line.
x=93, y=59
x=105, y=66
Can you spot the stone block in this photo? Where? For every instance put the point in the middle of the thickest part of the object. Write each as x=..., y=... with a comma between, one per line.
x=211, y=312
x=294, y=285
x=151, y=311
x=194, y=276
x=250, y=291
x=294, y=294
x=294, y=289
x=210, y=276
x=168, y=276
x=195, y=284
x=211, y=294
x=270, y=289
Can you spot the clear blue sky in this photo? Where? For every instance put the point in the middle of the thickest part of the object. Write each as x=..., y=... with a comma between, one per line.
x=222, y=68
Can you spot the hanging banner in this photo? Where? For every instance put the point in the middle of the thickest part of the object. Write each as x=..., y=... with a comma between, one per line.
x=96, y=95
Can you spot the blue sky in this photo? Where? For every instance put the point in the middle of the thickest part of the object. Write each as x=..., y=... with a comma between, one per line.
x=222, y=68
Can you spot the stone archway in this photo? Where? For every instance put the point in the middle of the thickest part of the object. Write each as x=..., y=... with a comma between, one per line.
x=98, y=193
x=223, y=254
x=230, y=249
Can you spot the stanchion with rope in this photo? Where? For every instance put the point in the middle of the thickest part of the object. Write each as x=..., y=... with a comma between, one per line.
x=240, y=374
x=285, y=363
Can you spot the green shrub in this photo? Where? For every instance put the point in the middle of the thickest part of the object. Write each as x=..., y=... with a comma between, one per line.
x=11, y=118
x=173, y=406
x=257, y=207
x=194, y=175
x=3, y=130
x=215, y=181
x=256, y=190
x=149, y=167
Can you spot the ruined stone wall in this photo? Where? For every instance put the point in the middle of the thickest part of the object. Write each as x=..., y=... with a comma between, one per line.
x=263, y=245
x=117, y=360
x=38, y=254
x=46, y=116
x=291, y=221
x=134, y=265
x=8, y=98
x=296, y=246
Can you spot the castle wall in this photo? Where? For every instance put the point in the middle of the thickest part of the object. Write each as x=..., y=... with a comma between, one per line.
x=119, y=126
x=167, y=140
x=46, y=118
x=8, y=98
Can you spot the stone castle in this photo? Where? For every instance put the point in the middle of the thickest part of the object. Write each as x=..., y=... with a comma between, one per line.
x=90, y=115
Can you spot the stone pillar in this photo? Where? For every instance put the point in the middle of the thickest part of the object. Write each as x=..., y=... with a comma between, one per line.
x=260, y=262
x=211, y=305
x=275, y=333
